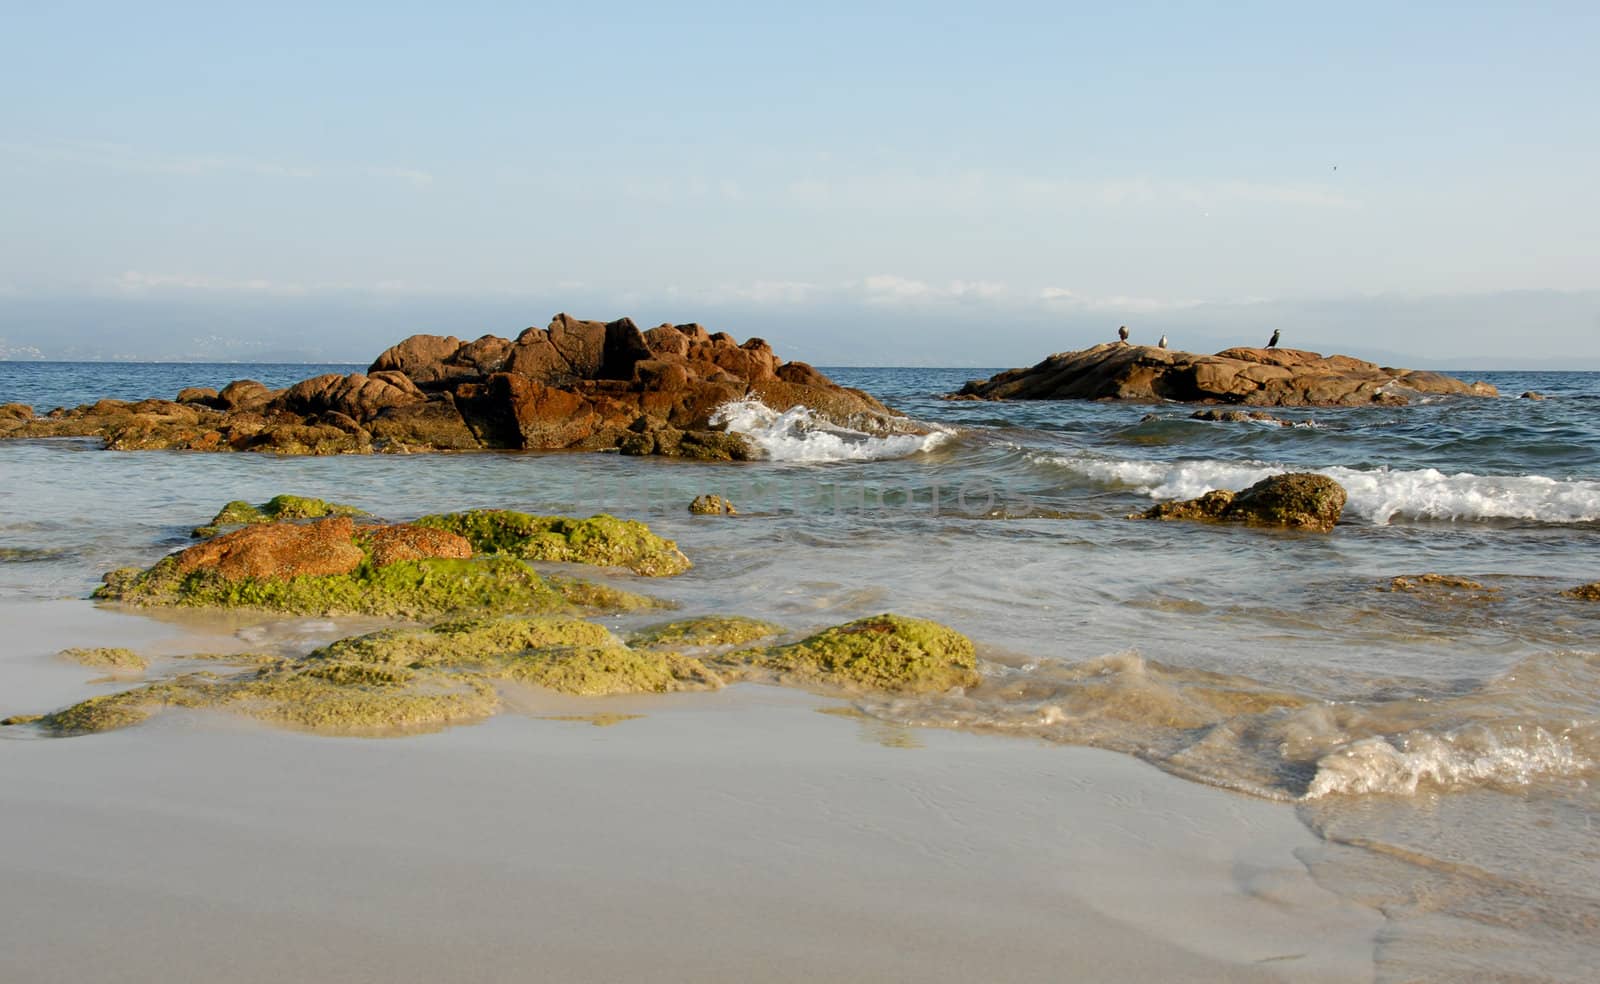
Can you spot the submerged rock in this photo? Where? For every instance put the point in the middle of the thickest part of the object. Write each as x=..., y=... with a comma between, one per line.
x=883, y=652
x=1297, y=500
x=1585, y=592
x=1240, y=417
x=1253, y=376
x=579, y=385
x=115, y=659
x=421, y=678
x=279, y=507
x=603, y=541
x=712, y=505
x=1437, y=583
x=707, y=630
x=297, y=696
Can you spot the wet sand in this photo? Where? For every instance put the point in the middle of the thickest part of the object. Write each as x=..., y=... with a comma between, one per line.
x=731, y=836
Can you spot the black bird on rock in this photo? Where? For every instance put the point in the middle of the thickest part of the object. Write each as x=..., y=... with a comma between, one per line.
x=1122, y=333
x=1273, y=341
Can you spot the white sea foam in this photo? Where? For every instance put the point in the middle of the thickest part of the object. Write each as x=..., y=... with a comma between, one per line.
x=1378, y=495
x=1474, y=755
x=797, y=434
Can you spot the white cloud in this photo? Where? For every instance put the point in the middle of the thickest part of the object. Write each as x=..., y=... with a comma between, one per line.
x=888, y=288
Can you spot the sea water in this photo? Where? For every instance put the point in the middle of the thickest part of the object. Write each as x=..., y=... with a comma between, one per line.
x=1443, y=743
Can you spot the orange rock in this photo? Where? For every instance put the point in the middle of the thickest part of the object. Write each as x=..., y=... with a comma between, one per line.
x=392, y=544
x=277, y=550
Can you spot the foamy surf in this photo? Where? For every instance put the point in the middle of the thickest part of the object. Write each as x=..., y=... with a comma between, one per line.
x=798, y=434
x=1378, y=495
x=1472, y=756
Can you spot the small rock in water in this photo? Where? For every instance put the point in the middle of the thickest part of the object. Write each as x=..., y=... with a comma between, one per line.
x=1585, y=592
x=712, y=505
x=1297, y=500
x=1432, y=582
x=1240, y=417
x=1531, y=395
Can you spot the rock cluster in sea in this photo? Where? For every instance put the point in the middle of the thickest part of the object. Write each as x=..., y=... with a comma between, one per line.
x=580, y=385
x=1251, y=376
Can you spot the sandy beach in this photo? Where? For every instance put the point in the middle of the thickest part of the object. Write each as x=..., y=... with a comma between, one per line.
x=732, y=836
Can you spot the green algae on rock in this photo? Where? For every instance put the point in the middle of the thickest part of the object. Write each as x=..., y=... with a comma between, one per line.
x=1297, y=500
x=707, y=630
x=115, y=659
x=601, y=541
x=883, y=652
x=312, y=698
x=564, y=654
x=410, y=589
x=279, y=507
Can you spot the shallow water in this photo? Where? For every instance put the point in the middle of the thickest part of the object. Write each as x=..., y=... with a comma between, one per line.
x=1443, y=742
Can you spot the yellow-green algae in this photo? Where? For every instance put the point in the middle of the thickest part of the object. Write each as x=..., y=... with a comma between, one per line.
x=707, y=630
x=602, y=540
x=567, y=655
x=313, y=698
x=883, y=652
x=409, y=589
x=116, y=659
x=279, y=507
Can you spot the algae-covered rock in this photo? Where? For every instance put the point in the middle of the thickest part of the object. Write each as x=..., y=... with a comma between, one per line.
x=603, y=541
x=568, y=655
x=1585, y=592
x=279, y=507
x=1297, y=500
x=707, y=630
x=410, y=589
x=712, y=505
x=594, y=671
x=883, y=652
x=115, y=659
x=313, y=698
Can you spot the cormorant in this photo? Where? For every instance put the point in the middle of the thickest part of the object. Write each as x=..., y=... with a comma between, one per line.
x=1273, y=342
x=1162, y=343
x=1122, y=333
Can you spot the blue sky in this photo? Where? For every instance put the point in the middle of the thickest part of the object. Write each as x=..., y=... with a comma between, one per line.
x=924, y=183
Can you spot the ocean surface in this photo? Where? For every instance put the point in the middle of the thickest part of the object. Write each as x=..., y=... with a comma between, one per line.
x=1443, y=743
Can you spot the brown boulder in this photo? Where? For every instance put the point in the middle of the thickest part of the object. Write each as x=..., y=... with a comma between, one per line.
x=357, y=395
x=434, y=425
x=244, y=394
x=204, y=395
x=425, y=358
x=277, y=550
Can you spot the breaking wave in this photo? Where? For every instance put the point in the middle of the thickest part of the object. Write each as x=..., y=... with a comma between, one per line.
x=1515, y=755
x=798, y=434
x=1377, y=495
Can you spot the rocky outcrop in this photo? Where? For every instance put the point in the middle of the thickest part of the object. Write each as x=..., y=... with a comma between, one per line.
x=1250, y=376
x=574, y=385
x=1298, y=500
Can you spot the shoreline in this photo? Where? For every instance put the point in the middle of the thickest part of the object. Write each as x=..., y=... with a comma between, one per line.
x=726, y=836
